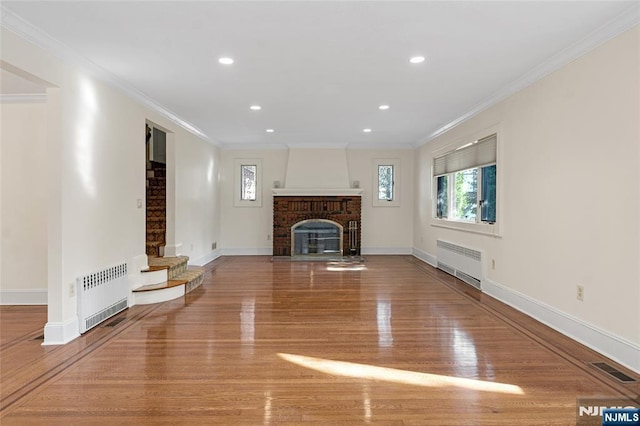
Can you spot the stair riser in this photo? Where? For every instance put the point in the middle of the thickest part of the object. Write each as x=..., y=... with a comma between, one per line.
x=153, y=277
x=157, y=296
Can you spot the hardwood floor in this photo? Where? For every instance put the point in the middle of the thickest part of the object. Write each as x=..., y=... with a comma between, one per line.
x=284, y=343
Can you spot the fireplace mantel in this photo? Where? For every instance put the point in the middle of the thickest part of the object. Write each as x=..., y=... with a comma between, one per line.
x=303, y=192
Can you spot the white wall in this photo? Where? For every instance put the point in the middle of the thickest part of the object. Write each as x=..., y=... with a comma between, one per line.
x=384, y=229
x=569, y=170
x=197, y=167
x=248, y=230
x=23, y=271
x=95, y=149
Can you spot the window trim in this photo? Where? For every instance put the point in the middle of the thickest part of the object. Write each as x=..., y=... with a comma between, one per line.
x=237, y=182
x=395, y=163
x=479, y=227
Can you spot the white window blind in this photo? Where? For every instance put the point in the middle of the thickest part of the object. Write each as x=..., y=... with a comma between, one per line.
x=480, y=153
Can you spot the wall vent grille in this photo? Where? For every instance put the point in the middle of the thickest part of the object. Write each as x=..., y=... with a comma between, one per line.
x=468, y=279
x=612, y=371
x=464, y=251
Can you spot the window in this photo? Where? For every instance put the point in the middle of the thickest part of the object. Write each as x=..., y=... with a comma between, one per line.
x=386, y=173
x=385, y=182
x=465, y=183
x=249, y=182
x=247, y=187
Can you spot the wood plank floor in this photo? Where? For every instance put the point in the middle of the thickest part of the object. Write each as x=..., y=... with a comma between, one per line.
x=286, y=343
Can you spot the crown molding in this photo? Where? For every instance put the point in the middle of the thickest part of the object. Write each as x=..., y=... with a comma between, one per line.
x=253, y=146
x=23, y=98
x=618, y=25
x=276, y=146
x=43, y=40
x=317, y=145
x=381, y=146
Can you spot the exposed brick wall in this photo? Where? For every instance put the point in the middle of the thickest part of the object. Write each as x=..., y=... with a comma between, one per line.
x=287, y=211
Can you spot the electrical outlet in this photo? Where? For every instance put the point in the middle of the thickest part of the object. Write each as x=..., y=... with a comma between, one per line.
x=214, y=245
x=493, y=264
x=268, y=237
x=72, y=289
x=191, y=246
x=580, y=293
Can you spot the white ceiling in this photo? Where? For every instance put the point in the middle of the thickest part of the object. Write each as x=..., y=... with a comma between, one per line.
x=320, y=69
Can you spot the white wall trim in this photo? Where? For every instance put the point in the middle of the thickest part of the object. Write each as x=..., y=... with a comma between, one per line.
x=253, y=146
x=25, y=98
x=276, y=146
x=614, y=347
x=36, y=296
x=247, y=251
x=611, y=29
x=60, y=333
x=381, y=146
x=172, y=250
x=425, y=257
x=36, y=36
x=386, y=250
x=203, y=260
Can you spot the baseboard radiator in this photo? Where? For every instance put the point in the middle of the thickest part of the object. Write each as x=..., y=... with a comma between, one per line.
x=461, y=262
x=101, y=295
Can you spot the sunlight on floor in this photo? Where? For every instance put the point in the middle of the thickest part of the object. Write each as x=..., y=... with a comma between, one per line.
x=345, y=266
x=372, y=372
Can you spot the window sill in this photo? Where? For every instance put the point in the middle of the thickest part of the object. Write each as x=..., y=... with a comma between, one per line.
x=492, y=230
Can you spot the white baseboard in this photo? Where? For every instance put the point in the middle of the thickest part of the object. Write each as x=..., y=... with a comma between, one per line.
x=203, y=260
x=614, y=347
x=60, y=333
x=247, y=252
x=385, y=250
x=425, y=257
x=36, y=296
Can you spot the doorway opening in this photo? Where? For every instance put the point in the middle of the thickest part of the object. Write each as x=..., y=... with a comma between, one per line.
x=156, y=191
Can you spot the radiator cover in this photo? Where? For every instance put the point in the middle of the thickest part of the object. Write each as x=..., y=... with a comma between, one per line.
x=461, y=262
x=101, y=295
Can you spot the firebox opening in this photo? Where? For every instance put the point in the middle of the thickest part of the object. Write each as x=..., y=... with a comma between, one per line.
x=316, y=237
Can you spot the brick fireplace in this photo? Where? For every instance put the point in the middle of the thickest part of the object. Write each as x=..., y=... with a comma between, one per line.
x=289, y=210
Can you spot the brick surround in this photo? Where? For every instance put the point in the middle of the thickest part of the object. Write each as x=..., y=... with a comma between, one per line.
x=289, y=210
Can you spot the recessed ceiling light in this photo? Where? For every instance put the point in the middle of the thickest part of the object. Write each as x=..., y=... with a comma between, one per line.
x=383, y=107
x=366, y=130
x=225, y=61
x=269, y=130
x=255, y=107
x=417, y=60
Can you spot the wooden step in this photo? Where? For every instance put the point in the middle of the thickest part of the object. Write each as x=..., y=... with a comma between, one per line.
x=177, y=265
x=160, y=286
x=194, y=275
x=155, y=268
